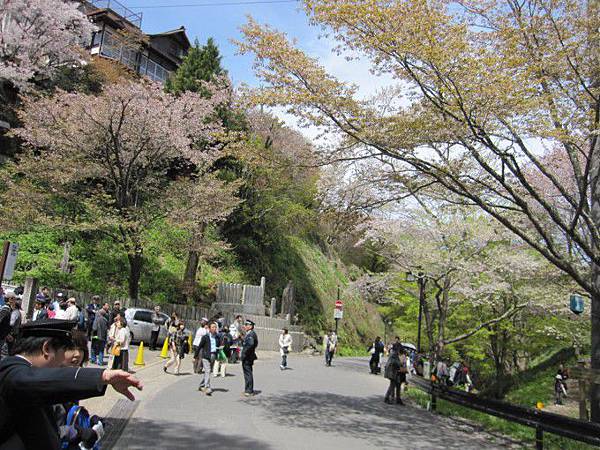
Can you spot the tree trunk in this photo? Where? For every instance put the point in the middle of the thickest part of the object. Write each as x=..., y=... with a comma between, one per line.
x=595, y=338
x=193, y=261
x=189, y=277
x=594, y=43
x=135, y=271
x=64, y=263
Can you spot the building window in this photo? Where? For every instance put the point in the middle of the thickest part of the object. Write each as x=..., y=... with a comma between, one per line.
x=111, y=46
x=143, y=65
x=129, y=57
x=156, y=72
x=97, y=39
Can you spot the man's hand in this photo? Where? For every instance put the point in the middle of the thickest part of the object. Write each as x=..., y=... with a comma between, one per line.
x=121, y=381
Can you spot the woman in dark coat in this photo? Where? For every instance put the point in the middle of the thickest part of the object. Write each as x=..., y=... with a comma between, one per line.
x=377, y=349
x=395, y=371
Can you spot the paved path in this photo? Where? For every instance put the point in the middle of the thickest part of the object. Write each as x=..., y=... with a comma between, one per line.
x=309, y=407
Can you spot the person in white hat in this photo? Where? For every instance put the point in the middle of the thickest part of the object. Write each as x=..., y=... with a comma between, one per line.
x=72, y=313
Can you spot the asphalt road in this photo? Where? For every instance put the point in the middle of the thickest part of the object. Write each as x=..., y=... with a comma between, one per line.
x=308, y=407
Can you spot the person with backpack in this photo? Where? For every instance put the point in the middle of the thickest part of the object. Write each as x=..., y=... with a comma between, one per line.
x=395, y=371
x=560, y=385
x=77, y=429
x=223, y=353
x=441, y=372
x=376, y=349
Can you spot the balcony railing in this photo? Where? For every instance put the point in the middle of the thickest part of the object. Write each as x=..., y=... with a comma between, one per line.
x=119, y=9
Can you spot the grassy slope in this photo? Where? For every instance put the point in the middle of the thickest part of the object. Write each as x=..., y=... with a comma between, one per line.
x=316, y=279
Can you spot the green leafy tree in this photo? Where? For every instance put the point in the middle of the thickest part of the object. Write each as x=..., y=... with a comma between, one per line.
x=202, y=63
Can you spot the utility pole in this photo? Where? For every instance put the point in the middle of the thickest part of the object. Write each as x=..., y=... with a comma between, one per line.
x=337, y=319
x=421, y=282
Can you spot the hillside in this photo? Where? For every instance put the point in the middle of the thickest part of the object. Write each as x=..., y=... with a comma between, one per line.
x=96, y=266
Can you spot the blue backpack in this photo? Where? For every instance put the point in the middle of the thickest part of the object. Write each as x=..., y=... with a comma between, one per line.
x=79, y=416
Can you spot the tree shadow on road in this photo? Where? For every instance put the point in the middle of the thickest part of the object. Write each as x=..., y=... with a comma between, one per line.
x=369, y=418
x=145, y=434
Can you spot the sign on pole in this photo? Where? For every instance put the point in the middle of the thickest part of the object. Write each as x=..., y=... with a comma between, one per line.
x=338, y=312
x=11, y=261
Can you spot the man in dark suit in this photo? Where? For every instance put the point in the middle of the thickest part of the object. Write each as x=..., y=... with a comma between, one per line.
x=248, y=357
x=39, y=312
x=208, y=348
x=33, y=380
x=91, y=311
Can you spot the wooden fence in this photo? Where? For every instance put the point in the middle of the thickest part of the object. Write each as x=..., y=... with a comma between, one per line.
x=267, y=328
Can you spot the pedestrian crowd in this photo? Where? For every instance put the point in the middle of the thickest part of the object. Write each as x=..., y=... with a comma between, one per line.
x=215, y=344
x=105, y=326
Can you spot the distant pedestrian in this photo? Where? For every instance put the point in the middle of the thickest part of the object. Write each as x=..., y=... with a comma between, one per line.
x=157, y=321
x=223, y=353
x=61, y=312
x=91, y=311
x=236, y=329
x=441, y=372
x=285, y=346
x=560, y=385
x=395, y=371
x=201, y=331
x=376, y=349
x=117, y=310
x=173, y=321
x=5, y=328
x=120, y=346
x=72, y=312
x=397, y=345
x=39, y=312
x=209, y=346
x=178, y=347
x=99, y=336
x=330, y=346
x=248, y=357
x=15, y=322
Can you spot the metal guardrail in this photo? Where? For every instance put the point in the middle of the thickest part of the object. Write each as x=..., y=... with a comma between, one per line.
x=120, y=9
x=579, y=430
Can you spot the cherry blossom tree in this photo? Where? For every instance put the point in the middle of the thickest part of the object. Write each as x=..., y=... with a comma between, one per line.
x=122, y=160
x=484, y=93
x=37, y=36
x=468, y=263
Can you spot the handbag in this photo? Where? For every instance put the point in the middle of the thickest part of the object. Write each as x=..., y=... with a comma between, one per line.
x=116, y=350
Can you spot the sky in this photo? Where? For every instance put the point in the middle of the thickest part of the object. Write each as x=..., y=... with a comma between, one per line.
x=222, y=23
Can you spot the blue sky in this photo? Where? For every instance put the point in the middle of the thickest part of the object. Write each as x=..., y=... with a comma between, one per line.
x=223, y=23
